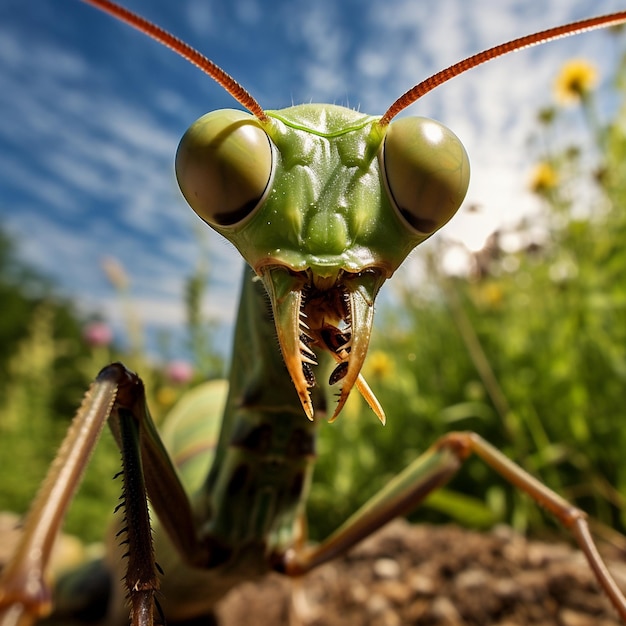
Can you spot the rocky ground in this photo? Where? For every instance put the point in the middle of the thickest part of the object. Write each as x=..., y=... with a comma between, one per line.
x=434, y=576
x=409, y=575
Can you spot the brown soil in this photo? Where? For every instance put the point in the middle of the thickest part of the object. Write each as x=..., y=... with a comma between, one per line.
x=434, y=576
x=426, y=576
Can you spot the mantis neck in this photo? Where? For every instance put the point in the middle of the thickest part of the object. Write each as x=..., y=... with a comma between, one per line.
x=264, y=460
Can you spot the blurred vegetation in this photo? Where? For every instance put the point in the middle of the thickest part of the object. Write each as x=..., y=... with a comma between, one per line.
x=528, y=349
x=49, y=354
x=41, y=379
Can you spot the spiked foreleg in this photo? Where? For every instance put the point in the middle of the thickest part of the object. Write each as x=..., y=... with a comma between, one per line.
x=117, y=395
x=141, y=578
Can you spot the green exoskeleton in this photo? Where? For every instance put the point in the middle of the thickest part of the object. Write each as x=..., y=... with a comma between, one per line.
x=324, y=204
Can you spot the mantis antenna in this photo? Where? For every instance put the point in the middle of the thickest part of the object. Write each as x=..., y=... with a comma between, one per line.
x=245, y=99
x=544, y=36
x=186, y=51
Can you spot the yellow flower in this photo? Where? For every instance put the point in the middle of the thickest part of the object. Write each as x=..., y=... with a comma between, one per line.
x=492, y=295
x=166, y=396
x=379, y=364
x=543, y=178
x=575, y=81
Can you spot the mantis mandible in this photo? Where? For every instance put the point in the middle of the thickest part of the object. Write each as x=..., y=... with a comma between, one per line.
x=324, y=204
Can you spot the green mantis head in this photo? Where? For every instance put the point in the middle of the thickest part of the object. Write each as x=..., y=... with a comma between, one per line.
x=324, y=203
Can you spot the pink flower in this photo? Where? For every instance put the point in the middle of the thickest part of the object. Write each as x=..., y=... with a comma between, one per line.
x=179, y=372
x=97, y=334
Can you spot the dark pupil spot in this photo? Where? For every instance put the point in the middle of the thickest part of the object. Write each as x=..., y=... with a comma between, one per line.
x=227, y=218
x=420, y=224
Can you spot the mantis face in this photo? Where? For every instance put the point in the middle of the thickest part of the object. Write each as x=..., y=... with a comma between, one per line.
x=324, y=203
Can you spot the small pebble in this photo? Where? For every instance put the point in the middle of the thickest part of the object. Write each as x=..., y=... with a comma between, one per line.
x=386, y=568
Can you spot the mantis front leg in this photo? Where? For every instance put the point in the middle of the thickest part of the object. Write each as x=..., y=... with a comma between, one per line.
x=117, y=395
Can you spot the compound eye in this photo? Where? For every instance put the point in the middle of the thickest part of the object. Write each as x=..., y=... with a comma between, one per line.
x=224, y=166
x=426, y=172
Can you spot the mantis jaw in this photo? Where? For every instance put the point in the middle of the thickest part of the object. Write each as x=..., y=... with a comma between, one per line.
x=314, y=313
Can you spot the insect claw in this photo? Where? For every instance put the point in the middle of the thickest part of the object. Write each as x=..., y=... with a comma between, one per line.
x=335, y=415
x=306, y=351
x=162, y=619
x=371, y=399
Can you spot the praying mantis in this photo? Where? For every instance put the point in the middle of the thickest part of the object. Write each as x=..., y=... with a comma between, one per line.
x=321, y=202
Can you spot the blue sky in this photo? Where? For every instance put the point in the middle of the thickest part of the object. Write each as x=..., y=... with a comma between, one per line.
x=92, y=113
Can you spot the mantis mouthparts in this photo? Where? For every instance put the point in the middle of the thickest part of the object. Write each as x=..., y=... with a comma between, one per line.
x=336, y=316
